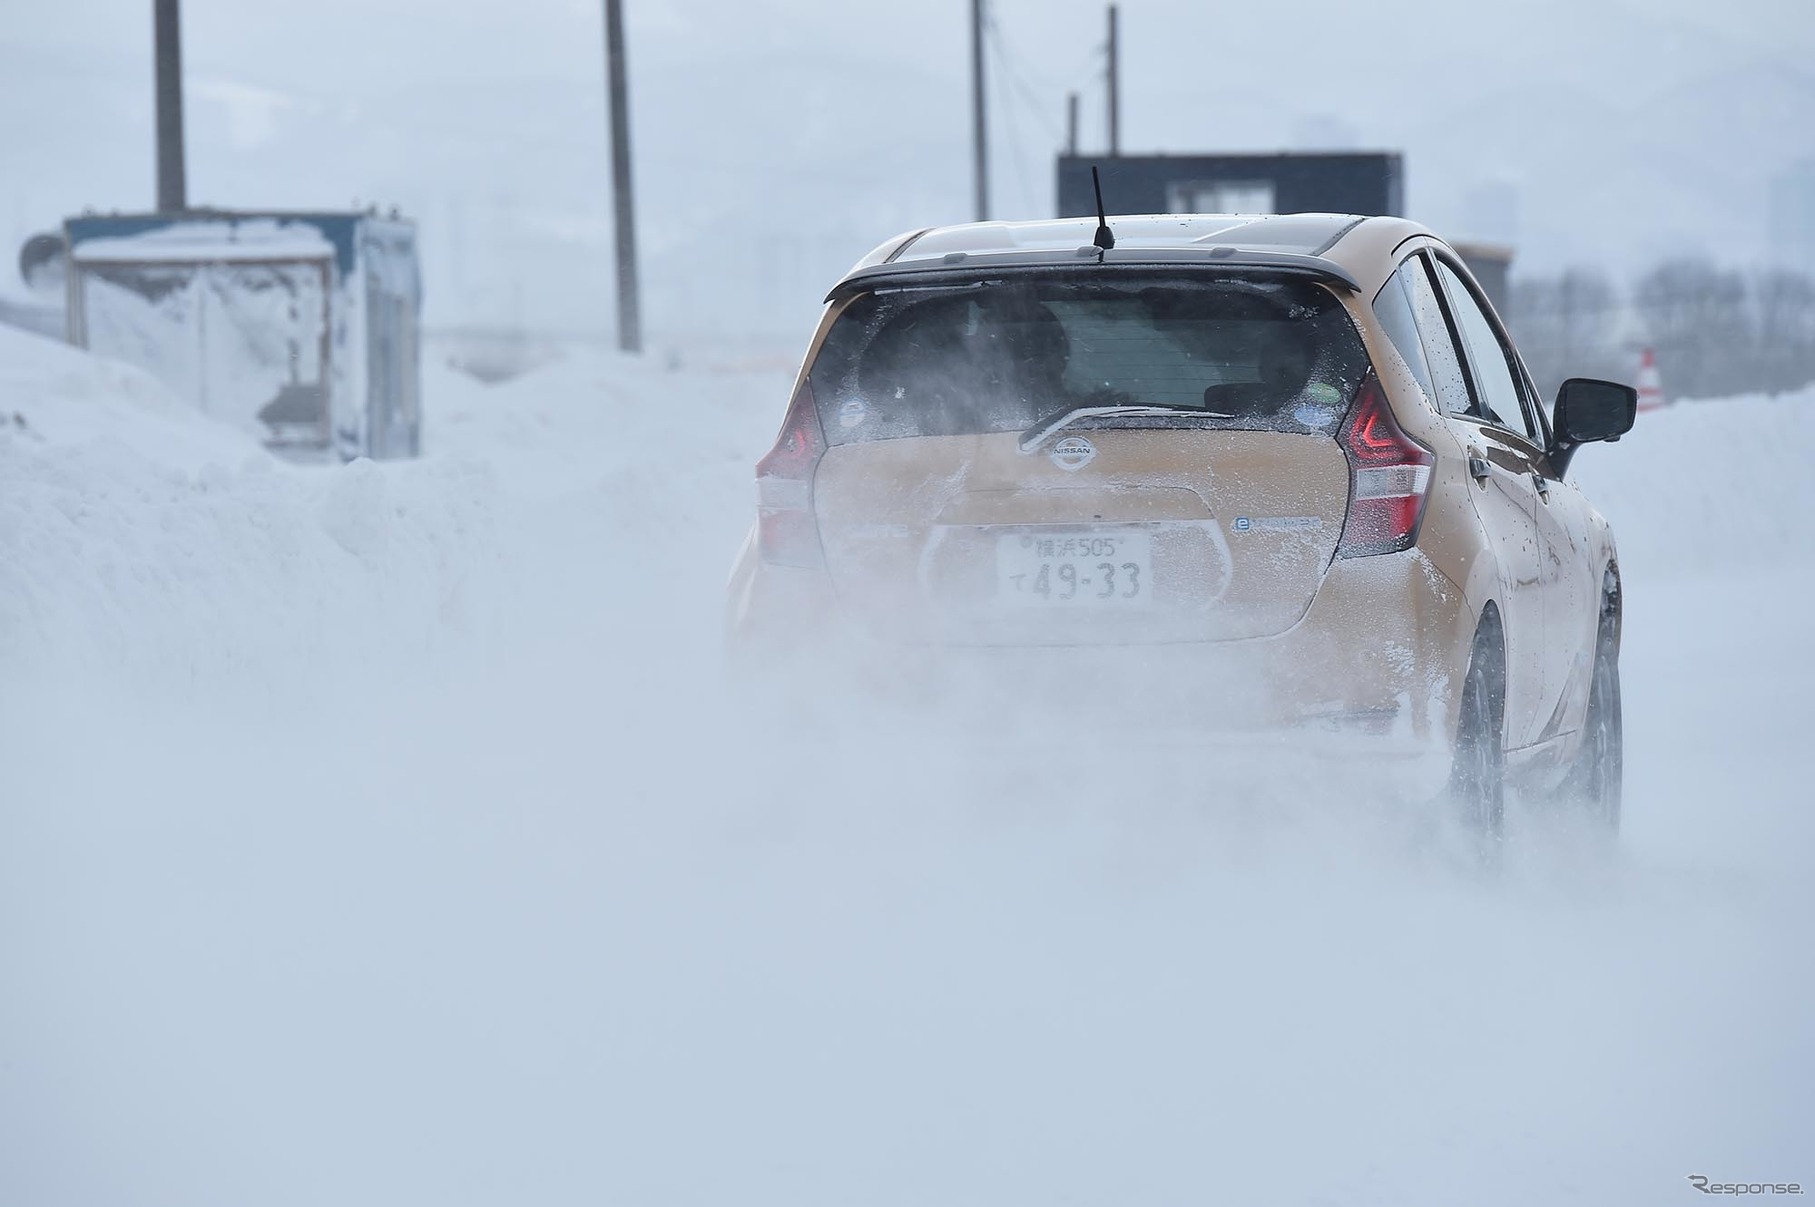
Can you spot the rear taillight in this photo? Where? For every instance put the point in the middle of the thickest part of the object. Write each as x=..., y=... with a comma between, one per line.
x=786, y=533
x=1389, y=477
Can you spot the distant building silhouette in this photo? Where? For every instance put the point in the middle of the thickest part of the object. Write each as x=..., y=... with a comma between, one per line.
x=1336, y=182
x=1346, y=182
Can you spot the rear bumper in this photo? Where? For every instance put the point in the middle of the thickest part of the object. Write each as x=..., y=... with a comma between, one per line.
x=1375, y=664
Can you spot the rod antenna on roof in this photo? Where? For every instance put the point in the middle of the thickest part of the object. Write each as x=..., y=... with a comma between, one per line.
x=1105, y=237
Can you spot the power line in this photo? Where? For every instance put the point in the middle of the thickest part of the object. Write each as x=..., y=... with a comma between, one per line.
x=1015, y=85
x=1017, y=146
x=1013, y=74
x=1061, y=80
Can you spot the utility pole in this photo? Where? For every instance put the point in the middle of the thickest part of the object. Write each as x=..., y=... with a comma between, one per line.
x=168, y=69
x=979, y=130
x=1071, y=123
x=1115, y=88
x=630, y=317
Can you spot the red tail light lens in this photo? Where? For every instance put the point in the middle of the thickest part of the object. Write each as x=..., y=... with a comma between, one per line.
x=1389, y=478
x=786, y=532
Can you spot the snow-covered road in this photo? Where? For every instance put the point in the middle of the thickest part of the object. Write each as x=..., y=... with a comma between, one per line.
x=384, y=835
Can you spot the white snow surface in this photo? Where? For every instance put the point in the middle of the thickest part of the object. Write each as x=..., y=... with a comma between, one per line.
x=215, y=241
x=386, y=834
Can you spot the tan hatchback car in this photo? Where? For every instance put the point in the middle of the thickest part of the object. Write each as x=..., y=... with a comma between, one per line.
x=1269, y=475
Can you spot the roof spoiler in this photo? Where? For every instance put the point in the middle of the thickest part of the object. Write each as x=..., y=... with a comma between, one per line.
x=960, y=268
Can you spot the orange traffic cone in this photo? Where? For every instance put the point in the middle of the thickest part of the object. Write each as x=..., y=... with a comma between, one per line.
x=1651, y=386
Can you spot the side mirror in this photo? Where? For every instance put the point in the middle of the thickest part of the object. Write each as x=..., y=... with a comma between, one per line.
x=1588, y=411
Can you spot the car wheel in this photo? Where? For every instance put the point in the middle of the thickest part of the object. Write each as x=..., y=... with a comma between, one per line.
x=1594, y=784
x=1477, y=786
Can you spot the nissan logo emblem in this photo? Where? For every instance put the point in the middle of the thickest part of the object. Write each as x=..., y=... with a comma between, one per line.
x=1073, y=452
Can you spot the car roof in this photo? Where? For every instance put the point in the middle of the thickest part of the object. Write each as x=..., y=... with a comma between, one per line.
x=1348, y=249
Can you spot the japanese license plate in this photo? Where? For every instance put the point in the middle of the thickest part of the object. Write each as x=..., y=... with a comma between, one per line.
x=1075, y=569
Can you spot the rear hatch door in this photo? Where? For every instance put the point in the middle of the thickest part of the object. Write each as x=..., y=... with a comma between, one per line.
x=1159, y=536
x=1085, y=457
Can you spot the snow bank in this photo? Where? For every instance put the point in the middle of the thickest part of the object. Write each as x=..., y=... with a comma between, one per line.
x=145, y=543
x=55, y=399
x=675, y=448
x=140, y=539
x=1719, y=484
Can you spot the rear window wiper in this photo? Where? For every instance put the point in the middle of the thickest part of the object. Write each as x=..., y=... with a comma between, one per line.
x=1058, y=421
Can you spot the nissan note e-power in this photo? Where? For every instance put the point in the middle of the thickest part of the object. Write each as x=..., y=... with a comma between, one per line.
x=1293, y=463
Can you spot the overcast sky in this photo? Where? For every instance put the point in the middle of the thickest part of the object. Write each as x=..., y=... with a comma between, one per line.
x=777, y=141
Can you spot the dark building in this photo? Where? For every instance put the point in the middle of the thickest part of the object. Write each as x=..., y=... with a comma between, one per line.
x=1359, y=182
x=1336, y=182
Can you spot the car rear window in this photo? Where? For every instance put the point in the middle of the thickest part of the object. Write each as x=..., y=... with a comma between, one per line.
x=1000, y=356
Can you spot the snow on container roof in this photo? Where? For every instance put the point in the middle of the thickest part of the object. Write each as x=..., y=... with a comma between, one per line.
x=342, y=229
x=208, y=240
